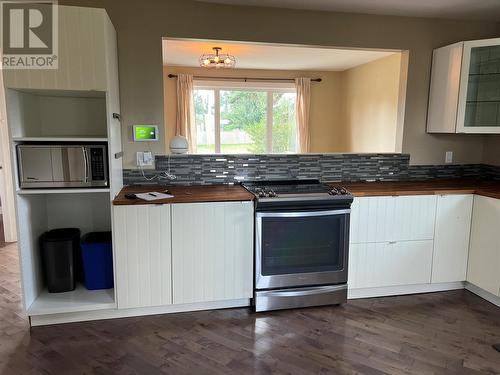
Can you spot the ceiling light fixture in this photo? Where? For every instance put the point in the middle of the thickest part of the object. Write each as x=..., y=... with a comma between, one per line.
x=217, y=59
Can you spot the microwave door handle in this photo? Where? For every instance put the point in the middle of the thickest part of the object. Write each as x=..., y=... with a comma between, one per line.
x=86, y=161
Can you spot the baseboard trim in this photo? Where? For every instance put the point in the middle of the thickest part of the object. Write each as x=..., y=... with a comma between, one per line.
x=490, y=297
x=42, y=320
x=402, y=290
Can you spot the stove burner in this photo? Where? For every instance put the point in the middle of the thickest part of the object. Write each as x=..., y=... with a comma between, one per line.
x=297, y=191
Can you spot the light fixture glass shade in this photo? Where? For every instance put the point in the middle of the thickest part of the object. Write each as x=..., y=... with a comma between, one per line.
x=179, y=145
x=217, y=59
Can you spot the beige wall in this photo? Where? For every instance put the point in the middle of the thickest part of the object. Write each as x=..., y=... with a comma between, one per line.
x=141, y=24
x=371, y=94
x=351, y=111
x=326, y=105
x=492, y=150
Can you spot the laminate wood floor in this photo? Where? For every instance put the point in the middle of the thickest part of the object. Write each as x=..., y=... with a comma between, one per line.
x=438, y=333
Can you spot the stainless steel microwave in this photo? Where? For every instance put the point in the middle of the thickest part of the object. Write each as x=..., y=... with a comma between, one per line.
x=62, y=165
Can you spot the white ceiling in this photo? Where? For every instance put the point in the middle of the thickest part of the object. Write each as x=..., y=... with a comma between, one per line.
x=266, y=56
x=455, y=9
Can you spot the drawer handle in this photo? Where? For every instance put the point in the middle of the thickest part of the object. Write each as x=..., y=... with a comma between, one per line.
x=392, y=242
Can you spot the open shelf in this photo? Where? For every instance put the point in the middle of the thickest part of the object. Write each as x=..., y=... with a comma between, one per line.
x=60, y=139
x=40, y=212
x=62, y=191
x=56, y=114
x=77, y=300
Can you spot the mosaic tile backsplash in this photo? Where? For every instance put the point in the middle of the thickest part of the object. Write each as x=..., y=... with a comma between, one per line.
x=217, y=169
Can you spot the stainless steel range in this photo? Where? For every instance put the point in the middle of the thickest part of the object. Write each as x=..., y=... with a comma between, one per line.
x=301, y=243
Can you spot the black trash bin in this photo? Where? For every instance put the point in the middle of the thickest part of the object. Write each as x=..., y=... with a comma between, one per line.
x=60, y=253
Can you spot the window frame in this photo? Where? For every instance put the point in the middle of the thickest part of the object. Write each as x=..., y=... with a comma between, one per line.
x=259, y=86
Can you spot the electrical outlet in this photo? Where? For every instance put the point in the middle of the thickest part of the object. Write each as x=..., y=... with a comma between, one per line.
x=144, y=158
x=147, y=158
x=449, y=157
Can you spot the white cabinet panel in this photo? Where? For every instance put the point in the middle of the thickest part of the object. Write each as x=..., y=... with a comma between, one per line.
x=451, y=241
x=113, y=106
x=390, y=263
x=142, y=252
x=445, y=84
x=401, y=218
x=484, y=254
x=81, y=56
x=212, y=251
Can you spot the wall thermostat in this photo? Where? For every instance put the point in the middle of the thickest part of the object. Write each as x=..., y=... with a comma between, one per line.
x=145, y=132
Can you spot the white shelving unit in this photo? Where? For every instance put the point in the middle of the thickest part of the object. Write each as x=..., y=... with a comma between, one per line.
x=60, y=139
x=77, y=300
x=74, y=103
x=62, y=191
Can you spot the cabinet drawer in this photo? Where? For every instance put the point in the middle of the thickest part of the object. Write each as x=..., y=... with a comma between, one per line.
x=401, y=218
x=390, y=263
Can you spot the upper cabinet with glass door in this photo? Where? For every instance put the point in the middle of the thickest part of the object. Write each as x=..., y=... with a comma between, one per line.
x=465, y=88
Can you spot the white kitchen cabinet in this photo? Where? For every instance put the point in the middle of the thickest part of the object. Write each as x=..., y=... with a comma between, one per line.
x=484, y=254
x=212, y=251
x=451, y=241
x=465, y=88
x=142, y=254
x=398, y=218
x=389, y=264
x=81, y=55
x=445, y=85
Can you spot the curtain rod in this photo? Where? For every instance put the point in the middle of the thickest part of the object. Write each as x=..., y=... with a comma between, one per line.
x=247, y=78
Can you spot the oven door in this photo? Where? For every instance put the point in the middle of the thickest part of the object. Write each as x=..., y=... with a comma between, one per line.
x=301, y=248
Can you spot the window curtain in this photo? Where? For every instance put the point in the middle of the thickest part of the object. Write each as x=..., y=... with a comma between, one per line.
x=185, y=124
x=302, y=105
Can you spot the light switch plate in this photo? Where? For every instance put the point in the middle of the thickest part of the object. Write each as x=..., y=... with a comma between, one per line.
x=449, y=157
x=147, y=158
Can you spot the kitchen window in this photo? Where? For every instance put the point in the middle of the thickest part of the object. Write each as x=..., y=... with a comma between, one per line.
x=245, y=117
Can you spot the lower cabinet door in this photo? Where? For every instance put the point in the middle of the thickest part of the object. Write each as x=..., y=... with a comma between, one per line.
x=212, y=253
x=484, y=254
x=142, y=251
x=451, y=239
x=379, y=264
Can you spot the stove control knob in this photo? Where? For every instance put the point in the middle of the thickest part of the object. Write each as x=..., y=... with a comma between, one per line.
x=261, y=193
x=343, y=191
x=272, y=194
x=334, y=191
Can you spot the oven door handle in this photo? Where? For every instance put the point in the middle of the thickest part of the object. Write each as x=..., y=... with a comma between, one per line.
x=303, y=214
x=299, y=292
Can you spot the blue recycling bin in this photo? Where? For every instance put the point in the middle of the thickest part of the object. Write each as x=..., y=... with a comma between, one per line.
x=97, y=255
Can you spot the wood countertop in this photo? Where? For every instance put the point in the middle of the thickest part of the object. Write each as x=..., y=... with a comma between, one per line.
x=228, y=193
x=186, y=194
x=395, y=188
